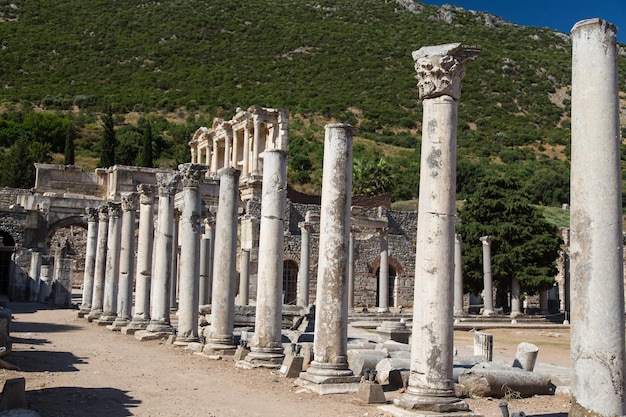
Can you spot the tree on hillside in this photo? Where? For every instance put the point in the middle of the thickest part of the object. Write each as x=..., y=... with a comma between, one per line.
x=17, y=165
x=145, y=158
x=524, y=245
x=69, y=152
x=108, y=143
x=372, y=176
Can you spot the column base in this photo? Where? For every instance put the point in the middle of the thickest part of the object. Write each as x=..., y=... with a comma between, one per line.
x=118, y=324
x=488, y=313
x=329, y=378
x=265, y=357
x=185, y=340
x=94, y=315
x=212, y=349
x=135, y=325
x=83, y=312
x=160, y=327
x=383, y=309
x=106, y=318
x=433, y=400
x=396, y=411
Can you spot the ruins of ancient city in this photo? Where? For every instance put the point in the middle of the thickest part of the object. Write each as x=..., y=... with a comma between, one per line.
x=223, y=258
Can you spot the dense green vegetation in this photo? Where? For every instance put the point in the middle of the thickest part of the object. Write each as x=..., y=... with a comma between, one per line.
x=180, y=63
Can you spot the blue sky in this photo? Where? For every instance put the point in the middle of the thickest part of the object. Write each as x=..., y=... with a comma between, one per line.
x=560, y=15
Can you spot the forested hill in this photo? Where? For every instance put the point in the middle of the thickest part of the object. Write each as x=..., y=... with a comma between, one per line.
x=321, y=60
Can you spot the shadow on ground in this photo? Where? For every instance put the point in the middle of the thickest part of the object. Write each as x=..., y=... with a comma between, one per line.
x=80, y=402
x=42, y=361
x=18, y=326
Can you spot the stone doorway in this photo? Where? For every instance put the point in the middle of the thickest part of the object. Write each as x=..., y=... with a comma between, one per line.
x=7, y=247
x=290, y=282
x=391, y=285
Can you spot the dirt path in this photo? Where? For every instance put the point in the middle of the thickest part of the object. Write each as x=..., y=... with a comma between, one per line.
x=77, y=369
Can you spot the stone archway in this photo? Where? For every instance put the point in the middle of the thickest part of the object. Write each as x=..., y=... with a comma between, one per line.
x=290, y=282
x=68, y=238
x=7, y=248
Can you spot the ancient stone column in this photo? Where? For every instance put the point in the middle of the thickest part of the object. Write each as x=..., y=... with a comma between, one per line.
x=46, y=277
x=163, y=247
x=246, y=150
x=111, y=281
x=543, y=302
x=189, y=298
x=243, y=299
x=100, y=267
x=596, y=250
x=330, y=365
x=130, y=201
x=458, y=275
x=516, y=302
x=206, y=262
x=174, y=270
x=431, y=386
x=383, y=273
x=256, y=143
x=487, y=276
x=220, y=337
x=63, y=271
x=351, y=272
x=303, y=272
x=266, y=347
x=90, y=260
x=34, y=274
x=145, y=242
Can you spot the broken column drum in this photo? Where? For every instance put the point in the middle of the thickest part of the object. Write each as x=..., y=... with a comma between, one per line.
x=99, y=269
x=266, y=347
x=330, y=345
x=111, y=281
x=431, y=385
x=162, y=267
x=225, y=263
x=90, y=259
x=190, y=232
x=487, y=276
x=596, y=245
x=129, y=201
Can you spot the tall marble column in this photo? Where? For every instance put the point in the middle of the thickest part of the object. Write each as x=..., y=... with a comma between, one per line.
x=243, y=298
x=351, y=271
x=303, y=272
x=189, y=298
x=145, y=243
x=256, y=143
x=487, y=276
x=90, y=260
x=111, y=281
x=206, y=262
x=596, y=250
x=163, y=247
x=329, y=371
x=516, y=301
x=220, y=338
x=383, y=272
x=431, y=386
x=175, y=268
x=458, y=275
x=34, y=274
x=100, y=267
x=130, y=201
x=266, y=347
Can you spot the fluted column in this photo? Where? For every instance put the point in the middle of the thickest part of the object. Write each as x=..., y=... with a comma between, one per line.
x=224, y=270
x=100, y=267
x=145, y=243
x=266, y=347
x=458, y=275
x=130, y=201
x=383, y=272
x=596, y=250
x=206, y=262
x=431, y=386
x=90, y=260
x=487, y=276
x=330, y=346
x=111, y=281
x=162, y=268
x=303, y=272
x=191, y=177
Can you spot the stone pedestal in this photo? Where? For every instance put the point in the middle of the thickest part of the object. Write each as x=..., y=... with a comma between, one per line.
x=596, y=250
x=431, y=385
x=111, y=281
x=220, y=338
x=100, y=267
x=163, y=247
x=266, y=347
x=90, y=260
x=130, y=201
x=487, y=276
x=458, y=276
x=329, y=371
x=191, y=176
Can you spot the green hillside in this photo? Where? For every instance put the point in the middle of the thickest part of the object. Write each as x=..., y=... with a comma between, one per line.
x=180, y=63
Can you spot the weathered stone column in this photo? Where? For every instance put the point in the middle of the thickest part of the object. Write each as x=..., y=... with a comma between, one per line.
x=329, y=371
x=266, y=347
x=46, y=277
x=543, y=302
x=596, y=250
x=63, y=271
x=145, y=242
x=34, y=274
x=221, y=338
x=458, y=275
x=516, y=302
x=111, y=281
x=487, y=276
x=189, y=297
x=130, y=201
x=175, y=270
x=303, y=272
x=163, y=247
x=431, y=387
x=351, y=271
x=90, y=260
x=206, y=262
x=100, y=267
x=243, y=299
x=256, y=143
x=383, y=273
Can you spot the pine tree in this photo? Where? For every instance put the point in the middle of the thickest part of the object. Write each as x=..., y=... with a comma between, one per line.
x=108, y=142
x=145, y=158
x=69, y=153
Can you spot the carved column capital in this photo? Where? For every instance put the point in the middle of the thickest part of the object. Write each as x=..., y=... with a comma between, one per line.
x=486, y=240
x=458, y=238
x=167, y=183
x=130, y=201
x=441, y=68
x=305, y=227
x=115, y=209
x=92, y=214
x=103, y=213
x=146, y=193
x=191, y=174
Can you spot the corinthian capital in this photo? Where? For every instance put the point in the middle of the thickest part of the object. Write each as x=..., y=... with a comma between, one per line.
x=129, y=201
x=191, y=174
x=92, y=214
x=146, y=193
x=167, y=182
x=441, y=68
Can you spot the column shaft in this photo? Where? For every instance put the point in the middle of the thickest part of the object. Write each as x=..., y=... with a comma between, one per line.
x=383, y=274
x=111, y=282
x=90, y=260
x=458, y=275
x=244, y=277
x=487, y=276
x=99, y=269
x=303, y=272
x=34, y=274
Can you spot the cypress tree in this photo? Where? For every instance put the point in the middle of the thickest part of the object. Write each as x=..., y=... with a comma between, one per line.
x=145, y=158
x=69, y=153
x=108, y=142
